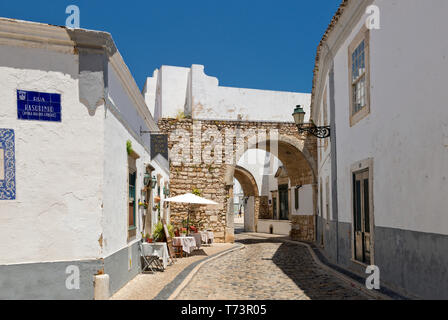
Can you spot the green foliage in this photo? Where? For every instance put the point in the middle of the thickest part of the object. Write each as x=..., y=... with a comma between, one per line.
x=180, y=115
x=196, y=192
x=159, y=234
x=129, y=147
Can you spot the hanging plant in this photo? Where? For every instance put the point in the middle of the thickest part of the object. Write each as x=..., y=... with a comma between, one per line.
x=129, y=147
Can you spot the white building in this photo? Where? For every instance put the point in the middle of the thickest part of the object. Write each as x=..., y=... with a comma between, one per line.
x=383, y=173
x=69, y=108
x=172, y=90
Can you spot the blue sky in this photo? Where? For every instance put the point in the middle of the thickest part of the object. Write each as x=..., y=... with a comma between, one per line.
x=261, y=44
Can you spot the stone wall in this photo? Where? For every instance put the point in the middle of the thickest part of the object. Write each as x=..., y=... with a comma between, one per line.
x=214, y=179
x=302, y=228
x=264, y=208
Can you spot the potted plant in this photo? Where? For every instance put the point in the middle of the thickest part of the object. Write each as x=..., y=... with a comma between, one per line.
x=159, y=234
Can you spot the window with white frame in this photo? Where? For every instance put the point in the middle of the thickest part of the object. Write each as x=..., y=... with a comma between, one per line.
x=359, y=77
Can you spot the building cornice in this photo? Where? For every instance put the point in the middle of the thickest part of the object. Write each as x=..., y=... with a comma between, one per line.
x=70, y=41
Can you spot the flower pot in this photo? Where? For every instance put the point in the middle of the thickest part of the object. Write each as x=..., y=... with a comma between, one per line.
x=156, y=199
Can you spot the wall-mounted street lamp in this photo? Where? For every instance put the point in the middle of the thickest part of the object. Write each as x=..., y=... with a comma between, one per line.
x=153, y=182
x=299, y=119
x=147, y=179
x=166, y=191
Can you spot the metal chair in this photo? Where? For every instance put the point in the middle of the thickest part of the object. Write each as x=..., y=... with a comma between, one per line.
x=149, y=261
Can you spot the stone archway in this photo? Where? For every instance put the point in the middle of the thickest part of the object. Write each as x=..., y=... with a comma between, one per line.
x=301, y=167
x=252, y=195
x=192, y=138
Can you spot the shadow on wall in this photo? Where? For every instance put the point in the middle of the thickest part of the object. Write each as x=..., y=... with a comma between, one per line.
x=296, y=262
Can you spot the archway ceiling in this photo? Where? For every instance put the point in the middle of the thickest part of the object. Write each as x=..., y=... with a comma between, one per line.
x=247, y=181
x=298, y=168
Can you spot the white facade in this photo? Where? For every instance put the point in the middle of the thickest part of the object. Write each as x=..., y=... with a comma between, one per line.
x=58, y=186
x=71, y=204
x=176, y=89
x=402, y=140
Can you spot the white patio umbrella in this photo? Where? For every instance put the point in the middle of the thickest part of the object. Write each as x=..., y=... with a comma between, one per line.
x=190, y=198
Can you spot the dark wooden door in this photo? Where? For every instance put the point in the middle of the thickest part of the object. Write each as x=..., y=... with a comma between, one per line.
x=283, y=202
x=361, y=209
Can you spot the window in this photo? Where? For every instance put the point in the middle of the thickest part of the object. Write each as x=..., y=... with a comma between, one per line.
x=359, y=77
x=132, y=196
x=132, y=201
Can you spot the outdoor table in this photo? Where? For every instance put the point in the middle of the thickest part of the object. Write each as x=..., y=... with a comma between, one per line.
x=207, y=236
x=186, y=242
x=204, y=237
x=197, y=238
x=158, y=249
x=210, y=236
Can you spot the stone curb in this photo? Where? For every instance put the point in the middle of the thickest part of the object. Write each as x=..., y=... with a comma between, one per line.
x=172, y=289
x=350, y=281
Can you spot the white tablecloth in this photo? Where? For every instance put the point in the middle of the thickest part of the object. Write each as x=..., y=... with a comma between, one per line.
x=159, y=249
x=187, y=243
x=197, y=239
x=206, y=236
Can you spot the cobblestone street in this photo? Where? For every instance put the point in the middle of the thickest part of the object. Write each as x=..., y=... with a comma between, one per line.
x=267, y=269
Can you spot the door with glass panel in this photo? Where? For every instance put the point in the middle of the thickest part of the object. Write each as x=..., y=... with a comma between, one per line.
x=283, y=202
x=361, y=219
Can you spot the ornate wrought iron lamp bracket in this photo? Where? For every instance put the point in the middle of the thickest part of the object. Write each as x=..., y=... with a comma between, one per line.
x=319, y=132
x=299, y=117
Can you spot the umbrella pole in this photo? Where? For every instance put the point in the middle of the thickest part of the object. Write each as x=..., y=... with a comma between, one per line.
x=188, y=221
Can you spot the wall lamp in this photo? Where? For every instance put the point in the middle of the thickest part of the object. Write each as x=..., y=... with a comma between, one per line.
x=299, y=119
x=147, y=179
x=166, y=191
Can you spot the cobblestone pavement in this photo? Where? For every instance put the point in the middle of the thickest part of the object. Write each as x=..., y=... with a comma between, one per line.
x=267, y=269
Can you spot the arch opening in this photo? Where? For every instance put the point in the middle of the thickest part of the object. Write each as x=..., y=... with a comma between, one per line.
x=300, y=166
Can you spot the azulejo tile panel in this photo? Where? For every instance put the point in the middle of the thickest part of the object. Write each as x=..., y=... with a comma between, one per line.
x=8, y=163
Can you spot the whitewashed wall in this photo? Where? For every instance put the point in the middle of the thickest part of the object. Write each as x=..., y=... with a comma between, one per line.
x=166, y=91
x=306, y=207
x=119, y=128
x=324, y=162
x=199, y=95
x=59, y=166
x=407, y=130
x=211, y=101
